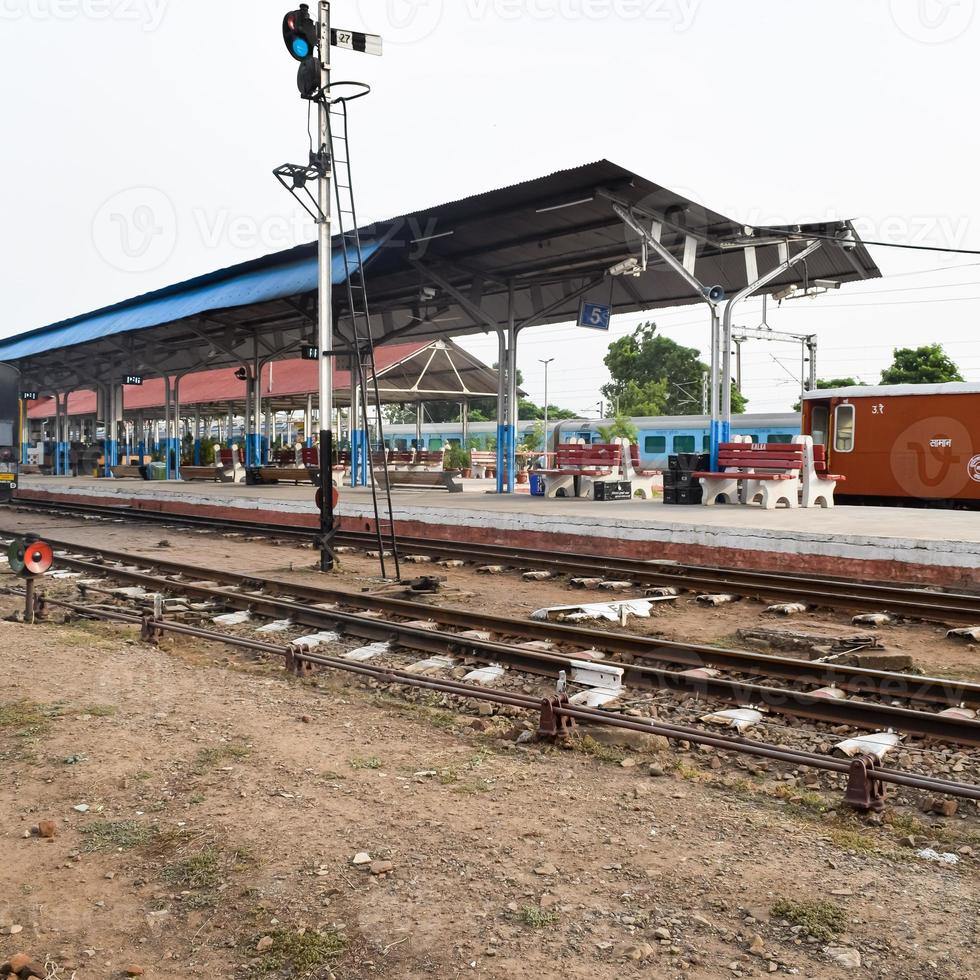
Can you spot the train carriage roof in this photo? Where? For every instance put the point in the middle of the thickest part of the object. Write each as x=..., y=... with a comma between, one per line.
x=894, y=391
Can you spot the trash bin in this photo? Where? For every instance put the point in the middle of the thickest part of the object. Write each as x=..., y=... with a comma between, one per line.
x=537, y=485
x=156, y=471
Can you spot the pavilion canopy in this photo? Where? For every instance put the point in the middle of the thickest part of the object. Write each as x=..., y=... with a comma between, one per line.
x=534, y=250
x=434, y=371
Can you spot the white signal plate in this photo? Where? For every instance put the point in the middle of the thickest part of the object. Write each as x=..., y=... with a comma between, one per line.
x=356, y=41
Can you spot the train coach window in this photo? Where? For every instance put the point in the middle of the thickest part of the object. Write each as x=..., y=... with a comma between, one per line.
x=435, y=444
x=705, y=443
x=780, y=437
x=683, y=444
x=654, y=444
x=844, y=428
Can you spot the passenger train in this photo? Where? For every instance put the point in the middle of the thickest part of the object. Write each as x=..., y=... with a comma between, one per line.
x=659, y=437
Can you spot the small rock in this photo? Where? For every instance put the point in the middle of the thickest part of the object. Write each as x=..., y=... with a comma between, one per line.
x=757, y=946
x=547, y=900
x=944, y=808
x=82, y=808
x=263, y=944
x=47, y=828
x=844, y=956
x=656, y=770
x=134, y=971
x=546, y=869
x=11, y=930
x=362, y=857
x=381, y=867
x=662, y=934
x=305, y=719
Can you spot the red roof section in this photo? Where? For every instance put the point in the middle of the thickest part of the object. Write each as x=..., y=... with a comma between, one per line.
x=292, y=377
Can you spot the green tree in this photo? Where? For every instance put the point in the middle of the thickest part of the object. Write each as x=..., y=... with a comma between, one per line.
x=653, y=375
x=928, y=364
x=622, y=428
x=823, y=383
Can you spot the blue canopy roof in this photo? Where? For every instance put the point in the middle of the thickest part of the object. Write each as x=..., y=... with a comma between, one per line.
x=216, y=291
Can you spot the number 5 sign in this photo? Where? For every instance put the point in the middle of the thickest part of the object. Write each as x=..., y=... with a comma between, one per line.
x=594, y=315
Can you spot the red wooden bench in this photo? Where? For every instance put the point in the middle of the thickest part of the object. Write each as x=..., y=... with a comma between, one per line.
x=428, y=459
x=769, y=471
x=577, y=467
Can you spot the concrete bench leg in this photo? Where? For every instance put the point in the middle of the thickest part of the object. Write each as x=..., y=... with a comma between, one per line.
x=586, y=488
x=776, y=492
x=552, y=484
x=818, y=493
x=715, y=487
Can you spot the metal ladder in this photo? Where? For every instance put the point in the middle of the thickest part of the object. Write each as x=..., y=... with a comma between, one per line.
x=357, y=304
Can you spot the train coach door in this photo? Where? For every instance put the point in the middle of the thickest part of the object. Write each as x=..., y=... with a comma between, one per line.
x=820, y=423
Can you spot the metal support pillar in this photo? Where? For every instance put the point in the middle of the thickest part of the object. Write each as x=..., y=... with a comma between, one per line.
x=511, y=427
x=197, y=437
x=325, y=301
x=726, y=417
x=501, y=407
x=308, y=425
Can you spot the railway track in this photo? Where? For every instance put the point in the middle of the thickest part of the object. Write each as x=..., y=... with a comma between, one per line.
x=781, y=686
x=897, y=600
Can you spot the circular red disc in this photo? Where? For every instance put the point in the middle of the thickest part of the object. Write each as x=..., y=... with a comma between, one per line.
x=38, y=557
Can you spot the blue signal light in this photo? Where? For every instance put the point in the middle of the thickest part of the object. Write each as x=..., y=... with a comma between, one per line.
x=301, y=47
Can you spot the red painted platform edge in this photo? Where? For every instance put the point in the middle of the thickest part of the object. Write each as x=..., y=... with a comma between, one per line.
x=878, y=570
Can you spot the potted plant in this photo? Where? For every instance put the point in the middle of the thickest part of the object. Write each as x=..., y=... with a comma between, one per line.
x=457, y=458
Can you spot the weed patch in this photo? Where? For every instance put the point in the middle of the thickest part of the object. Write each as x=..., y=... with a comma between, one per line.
x=537, y=918
x=371, y=763
x=300, y=953
x=212, y=756
x=117, y=835
x=822, y=920
x=28, y=718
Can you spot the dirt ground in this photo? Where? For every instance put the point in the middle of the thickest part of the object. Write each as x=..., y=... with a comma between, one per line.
x=208, y=811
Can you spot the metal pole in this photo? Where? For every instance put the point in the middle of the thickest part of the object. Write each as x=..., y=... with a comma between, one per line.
x=512, y=412
x=501, y=406
x=546, y=363
x=324, y=305
x=726, y=423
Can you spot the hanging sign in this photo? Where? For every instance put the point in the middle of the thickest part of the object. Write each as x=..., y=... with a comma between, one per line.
x=29, y=396
x=133, y=379
x=308, y=352
x=594, y=315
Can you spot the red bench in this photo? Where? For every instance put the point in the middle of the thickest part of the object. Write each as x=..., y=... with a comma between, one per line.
x=768, y=471
x=428, y=459
x=577, y=467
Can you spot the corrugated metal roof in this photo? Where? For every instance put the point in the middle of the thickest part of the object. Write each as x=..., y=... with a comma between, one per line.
x=221, y=290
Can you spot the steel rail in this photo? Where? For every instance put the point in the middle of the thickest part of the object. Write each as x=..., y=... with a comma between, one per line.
x=861, y=714
x=906, y=601
x=857, y=680
x=588, y=715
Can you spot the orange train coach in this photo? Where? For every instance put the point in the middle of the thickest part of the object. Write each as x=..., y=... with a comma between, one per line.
x=900, y=444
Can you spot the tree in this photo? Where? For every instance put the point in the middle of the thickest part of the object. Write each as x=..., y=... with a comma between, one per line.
x=653, y=375
x=622, y=428
x=823, y=383
x=928, y=364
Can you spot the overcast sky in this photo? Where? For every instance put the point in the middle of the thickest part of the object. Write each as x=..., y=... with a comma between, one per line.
x=174, y=112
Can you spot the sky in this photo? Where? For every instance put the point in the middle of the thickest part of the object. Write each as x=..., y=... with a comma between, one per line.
x=139, y=138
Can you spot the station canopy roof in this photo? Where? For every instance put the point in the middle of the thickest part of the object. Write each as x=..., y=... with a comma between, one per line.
x=421, y=371
x=443, y=271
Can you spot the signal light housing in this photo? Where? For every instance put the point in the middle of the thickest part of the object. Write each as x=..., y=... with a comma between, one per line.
x=299, y=33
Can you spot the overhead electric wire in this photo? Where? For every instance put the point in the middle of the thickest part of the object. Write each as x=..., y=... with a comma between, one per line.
x=805, y=237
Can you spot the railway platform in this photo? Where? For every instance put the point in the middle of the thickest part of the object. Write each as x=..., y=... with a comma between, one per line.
x=932, y=547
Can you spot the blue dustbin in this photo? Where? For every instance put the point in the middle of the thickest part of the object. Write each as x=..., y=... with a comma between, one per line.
x=537, y=485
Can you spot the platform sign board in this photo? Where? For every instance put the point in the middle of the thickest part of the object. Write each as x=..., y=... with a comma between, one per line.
x=29, y=396
x=594, y=315
x=308, y=352
x=133, y=379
